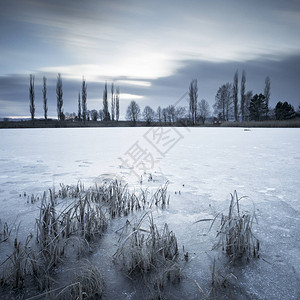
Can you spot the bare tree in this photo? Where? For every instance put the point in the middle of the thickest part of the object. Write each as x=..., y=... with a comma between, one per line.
x=164, y=114
x=148, y=114
x=112, y=102
x=79, y=107
x=219, y=106
x=70, y=116
x=171, y=113
x=159, y=115
x=180, y=113
x=133, y=112
x=117, y=104
x=105, y=104
x=267, y=94
x=59, y=97
x=31, y=96
x=228, y=100
x=101, y=115
x=235, y=90
x=44, y=91
x=94, y=115
x=223, y=101
x=84, y=99
x=193, y=94
x=243, y=85
x=204, y=110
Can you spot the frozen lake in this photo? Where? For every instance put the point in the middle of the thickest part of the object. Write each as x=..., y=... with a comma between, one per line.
x=204, y=164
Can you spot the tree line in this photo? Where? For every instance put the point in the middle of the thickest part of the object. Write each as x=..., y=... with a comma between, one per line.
x=231, y=103
x=196, y=113
x=249, y=106
x=169, y=115
x=83, y=113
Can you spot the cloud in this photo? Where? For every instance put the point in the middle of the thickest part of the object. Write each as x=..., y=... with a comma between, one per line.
x=133, y=82
x=143, y=65
x=284, y=76
x=138, y=39
x=125, y=96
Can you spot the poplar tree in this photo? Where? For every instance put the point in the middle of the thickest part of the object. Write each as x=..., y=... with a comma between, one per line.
x=59, y=97
x=193, y=94
x=45, y=97
x=79, y=107
x=235, y=91
x=267, y=93
x=31, y=97
x=243, y=96
x=112, y=102
x=84, y=99
x=117, y=104
x=105, y=104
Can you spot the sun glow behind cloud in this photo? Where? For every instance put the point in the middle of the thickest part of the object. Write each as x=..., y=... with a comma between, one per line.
x=125, y=96
x=140, y=66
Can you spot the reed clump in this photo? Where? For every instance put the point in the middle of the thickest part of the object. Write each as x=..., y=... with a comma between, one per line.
x=235, y=234
x=144, y=248
x=149, y=255
x=119, y=200
x=63, y=227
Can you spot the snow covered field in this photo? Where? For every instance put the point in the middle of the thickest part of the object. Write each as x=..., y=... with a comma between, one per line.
x=202, y=165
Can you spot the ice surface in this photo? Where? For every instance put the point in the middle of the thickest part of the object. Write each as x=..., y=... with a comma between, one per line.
x=203, y=166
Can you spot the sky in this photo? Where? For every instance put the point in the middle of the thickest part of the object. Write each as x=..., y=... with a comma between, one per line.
x=150, y=49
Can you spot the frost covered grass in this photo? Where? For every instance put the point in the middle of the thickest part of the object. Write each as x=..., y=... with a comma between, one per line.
x=235, y=238
x=143, y=247
x=57, y=231
x=5, y=232
x=88, y=283
x=235, y=234
x=68, y=221
x=149, y=254
x=117, y=196
x=223, y=281
x=16, y=266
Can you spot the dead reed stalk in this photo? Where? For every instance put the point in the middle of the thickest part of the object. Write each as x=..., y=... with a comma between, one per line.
x=235, y=233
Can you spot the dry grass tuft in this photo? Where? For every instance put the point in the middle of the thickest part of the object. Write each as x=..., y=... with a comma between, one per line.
x=235, y=234
x=149, y=255
x=5, y=232
x=78, y=223
x=142, y=249
x=16, y=266
x=61, y=230
x=88, y=283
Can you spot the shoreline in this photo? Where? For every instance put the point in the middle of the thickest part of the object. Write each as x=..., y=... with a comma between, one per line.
x=294, y=123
